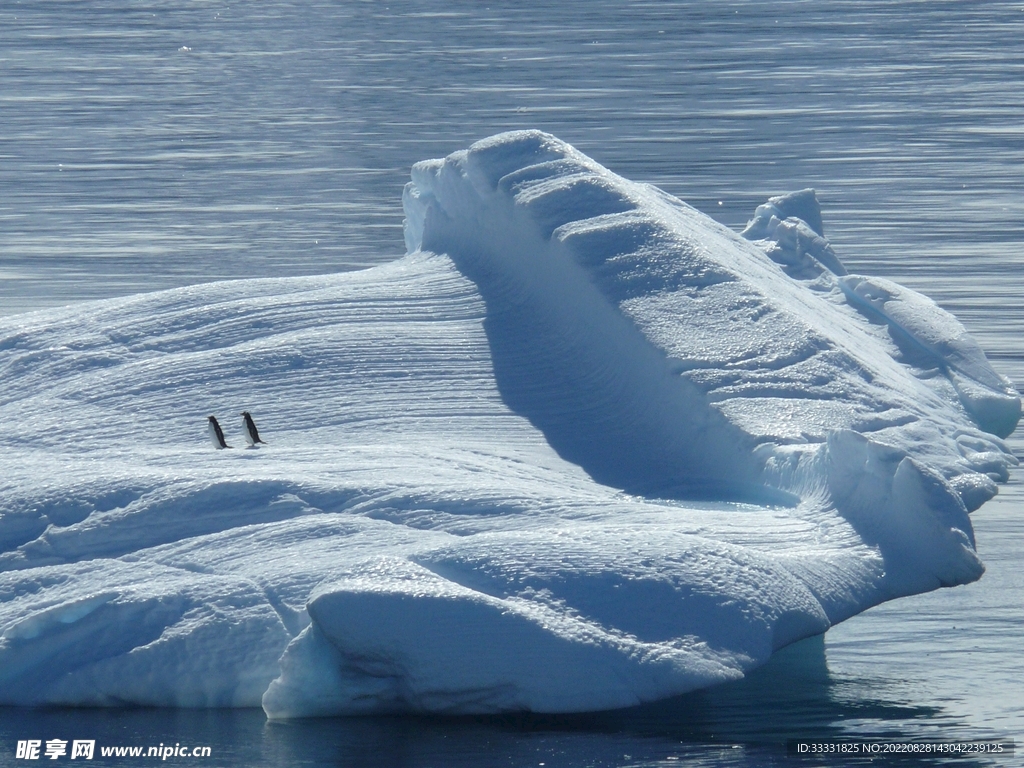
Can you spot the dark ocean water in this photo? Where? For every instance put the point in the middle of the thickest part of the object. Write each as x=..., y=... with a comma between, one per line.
x=149, y=145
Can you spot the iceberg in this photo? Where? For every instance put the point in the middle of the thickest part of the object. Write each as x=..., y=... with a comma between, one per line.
x=581, y=448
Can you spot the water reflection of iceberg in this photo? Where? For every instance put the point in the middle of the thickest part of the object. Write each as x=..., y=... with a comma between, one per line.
x=582, y=449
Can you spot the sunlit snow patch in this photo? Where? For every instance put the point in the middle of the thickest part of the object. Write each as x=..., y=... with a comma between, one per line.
x=582, y=448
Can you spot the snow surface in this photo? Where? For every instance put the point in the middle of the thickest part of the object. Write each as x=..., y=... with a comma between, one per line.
x=582, y=448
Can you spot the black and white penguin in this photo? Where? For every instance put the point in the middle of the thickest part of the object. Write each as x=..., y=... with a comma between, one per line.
x=252, y=436
x=216, y=434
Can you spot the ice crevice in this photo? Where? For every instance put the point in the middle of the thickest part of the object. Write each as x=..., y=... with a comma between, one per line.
x=581, y=448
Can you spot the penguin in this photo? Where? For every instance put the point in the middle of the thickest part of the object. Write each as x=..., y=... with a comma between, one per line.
x=216, y=435
x=251, y=435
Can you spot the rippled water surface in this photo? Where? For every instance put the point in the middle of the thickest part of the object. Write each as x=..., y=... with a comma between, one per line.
x=157, y=144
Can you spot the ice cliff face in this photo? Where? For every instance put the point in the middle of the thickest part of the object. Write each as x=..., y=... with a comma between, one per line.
x=582, y=448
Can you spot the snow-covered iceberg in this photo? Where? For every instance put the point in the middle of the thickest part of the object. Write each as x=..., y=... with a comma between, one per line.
x=581, y=448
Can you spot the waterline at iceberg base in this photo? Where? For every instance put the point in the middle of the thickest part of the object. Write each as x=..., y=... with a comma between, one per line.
x=582, y=448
